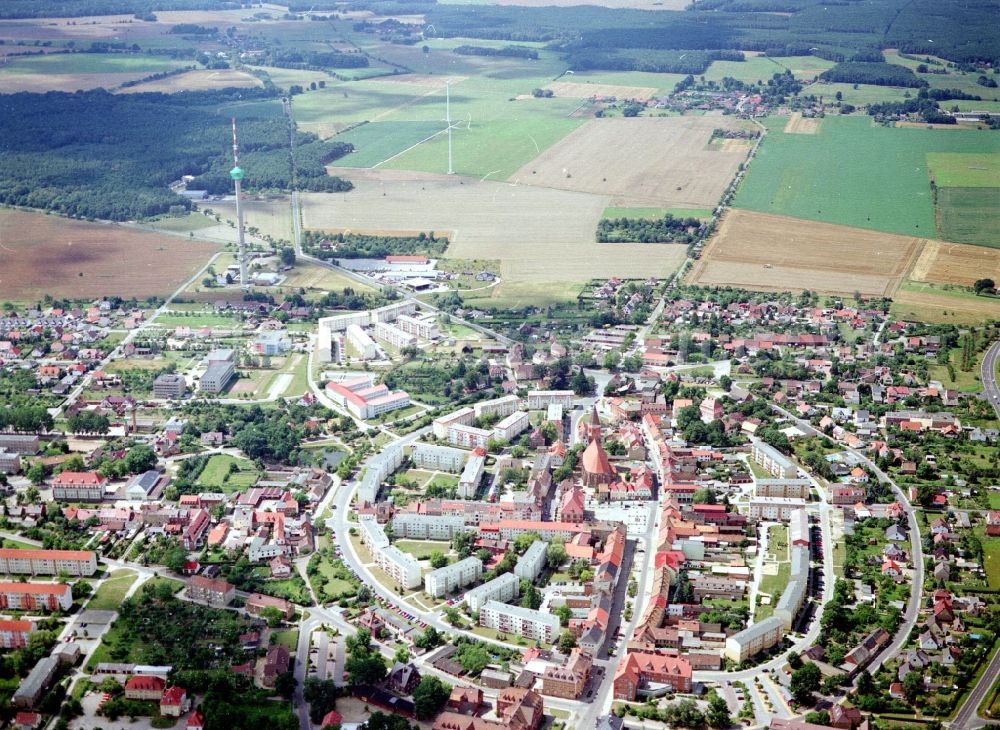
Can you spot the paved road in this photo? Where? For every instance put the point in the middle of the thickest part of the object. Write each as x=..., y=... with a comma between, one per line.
x=989, y=376
x=967, y=718
x=912, y=612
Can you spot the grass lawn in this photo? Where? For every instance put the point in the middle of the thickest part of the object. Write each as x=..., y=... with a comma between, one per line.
x=444, y=480
x=965, y=381
x=288, y=638
x=517, y=294
x=376, y=142
x=883, y=185
x=175, y=585
x=991, y=560
x=216, y=474
x=17, y=544
x=758, y=471
x=422, y=549
x=112, y=591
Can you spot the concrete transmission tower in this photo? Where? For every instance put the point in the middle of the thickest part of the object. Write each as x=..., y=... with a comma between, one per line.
x=237, y=175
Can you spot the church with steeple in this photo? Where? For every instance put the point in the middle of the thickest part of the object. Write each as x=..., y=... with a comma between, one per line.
x=596, y=466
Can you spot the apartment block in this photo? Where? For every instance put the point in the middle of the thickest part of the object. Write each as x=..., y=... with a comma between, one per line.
x=446, y=580
x=463, y=416
x=774, y=508
x=78, y=486
x=511, y=426
x=795, y=488
x=438, y=458
x=468, y=437
x=497, y=407
x=341, y=322
x=472, y=474
x=35, y=597
x=517, y=621
x=424, y=328
x=10, y=462
x=503, y=588
x=755, y=639
x=530, y=565
x=401, y=567
x=47, y=562
x=25, y=445
x=427, y=527
x=363, y=345
x=14, y=634
x=212, y=592
x=773, y=461
x=539, y=399
x=391, y=312
x=378, y=469
x=393, y=335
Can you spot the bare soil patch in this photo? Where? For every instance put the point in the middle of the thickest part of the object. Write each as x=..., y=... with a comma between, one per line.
x=574, y=90
x=44, y=254
x=538, y=234
x=42, y=82
x=198, y=80
x=954, y=263
x=798, y=124
x=776, y=253
x=645, y=161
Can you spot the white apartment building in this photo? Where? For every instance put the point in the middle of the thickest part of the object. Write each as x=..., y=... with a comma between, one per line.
x=511, y=426
x=755, y=639
x=503, y=588
x=468, y=437
x=372, y=534
x=394, y=335
x=446, y=580
x=259, y=550
x=424, y=328
x=438, y=458
x=463, y=416
x=530, y=565
x=538, y=399
x=401, y=567
x=798, y=528
x=798, y=488
x=773, y=461
x=378, y=469
x=47, y=562
x=774, y=509
x=341, y=322
x=468, y=483
x=390, y=312
x=363, y=344
x=517, y=621
x=427, y=527
x=497, y=407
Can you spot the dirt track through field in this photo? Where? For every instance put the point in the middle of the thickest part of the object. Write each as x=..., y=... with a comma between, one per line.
x=643, y=161
x=776, y=253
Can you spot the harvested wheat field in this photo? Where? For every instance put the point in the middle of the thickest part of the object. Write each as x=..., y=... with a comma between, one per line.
x=955, y=263
x=776, y=253
x=538, y=234
x=643, y=161
x=44, y=254
x=798, y=124
x=197, y=81
x=11, y=83
x=601, y=91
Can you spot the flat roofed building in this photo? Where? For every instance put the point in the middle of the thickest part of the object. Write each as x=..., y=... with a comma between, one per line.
x=798, y=488
x=511, y=426
x=30, y=561
x=503, y=588
x=774, y=508
x=468, y=437
x=408, y=525
x=440, y=458
x=169, y=385
x=497, y=406
x=464, y=416
x=451, y=577
x=472, y=474
x=755, y=639
x=363, y=345
x=538, y=399
x=394, y=336
x=529, y=566
x=24, y=444
x=516, y=621
x=773, y=461
x=10, y=463
x=217, y=376
x=401, y=567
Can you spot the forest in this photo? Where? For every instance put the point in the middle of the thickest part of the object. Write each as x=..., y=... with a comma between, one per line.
x=645, y=230
x=879, y=74
x=91, y=154
x=360, y=246
x=506, y=51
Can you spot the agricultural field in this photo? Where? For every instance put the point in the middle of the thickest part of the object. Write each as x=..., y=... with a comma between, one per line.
x=642, y=161
x=378, y=142
x=588, y=90
x=537, y=234
x=662, y=82
x=925, y=302
x=775, y=253
x=797, y=124
x=650, y=213
x=964, y=170
x=76, y=71
x=883, y=184
x=44, y=254
x=197, y=81
x=969, y=215
x=954, y=263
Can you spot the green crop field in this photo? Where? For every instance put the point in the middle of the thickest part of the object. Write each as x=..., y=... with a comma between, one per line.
x=755, y=68
x=663, y=83
x=863, y=95
x=378, y=141
x=89, y=63
x=854, y=173
x=969, y=215
x=964, y=170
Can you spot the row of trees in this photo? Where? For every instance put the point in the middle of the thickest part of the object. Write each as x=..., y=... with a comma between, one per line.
x=667, y=229
x=362, y=246
x=505, y=52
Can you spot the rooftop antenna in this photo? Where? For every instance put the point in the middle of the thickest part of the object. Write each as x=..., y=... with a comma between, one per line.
x=237, y=175
x=447, y=107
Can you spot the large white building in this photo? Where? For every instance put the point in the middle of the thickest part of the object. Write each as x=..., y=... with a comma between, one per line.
x=472, y=474
x=378, y=469
x=445, y=580
x=426, y=327
x=503, y=588
x=463, y=416
x=365, y=400
x=497, y=407
x=532, y=562
x=427, y=527
x=468, y=436
x=798, y=528
x=363, y=344
x=438, y=458
x=782, y=488
x=511, y=426
x=773, y=461
x=773, y=509
x=402, y=567
x=221, y=366
x=517, y=621
x=391, y=312
x=394, y=335
x=538, y=399
x=340, y=322
x=755, y=639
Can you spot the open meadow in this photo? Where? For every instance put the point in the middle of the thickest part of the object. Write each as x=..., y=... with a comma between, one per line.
x=538, y=234
x=197, y=81
x=642, y=161
x=775, y=253
x=855, y=173
x=44, y=254
x=76, y=71
x=942, y=303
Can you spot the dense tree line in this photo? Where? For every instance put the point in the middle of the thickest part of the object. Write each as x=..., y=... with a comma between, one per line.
x=317, y=59
x=361, y=246
x=25, y=418
x=946, y=95
x=506, y=51
x=78, y=8
x=927, y=109
x=648, y=230
x=99, y=155
x=879, y=74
